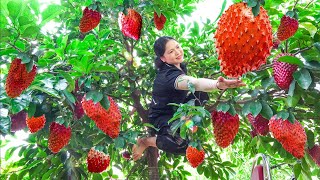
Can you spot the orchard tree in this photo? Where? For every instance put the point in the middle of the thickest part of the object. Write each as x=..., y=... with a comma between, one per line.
x=81, y=91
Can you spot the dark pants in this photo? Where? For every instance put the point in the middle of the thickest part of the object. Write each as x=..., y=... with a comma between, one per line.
x=166, y=141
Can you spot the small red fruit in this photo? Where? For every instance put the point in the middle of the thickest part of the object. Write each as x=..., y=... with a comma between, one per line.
x=283, y=72
x=59, y=137
x=288, y=27
x=159, y=21
x=97, y=161
x=130, y=24
x=19, y=78
x=126, y=155
x=36, y=123
x=89, y=20
x=194, y=156
x=18, y=121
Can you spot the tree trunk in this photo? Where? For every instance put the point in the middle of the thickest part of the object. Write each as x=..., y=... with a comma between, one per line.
x=152, y=157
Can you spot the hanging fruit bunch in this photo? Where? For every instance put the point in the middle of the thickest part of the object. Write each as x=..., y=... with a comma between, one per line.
x=159, y=21
x=243, y=41
x=130, y=24
x=90, y=19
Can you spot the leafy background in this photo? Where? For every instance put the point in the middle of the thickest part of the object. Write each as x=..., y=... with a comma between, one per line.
x=97, y=60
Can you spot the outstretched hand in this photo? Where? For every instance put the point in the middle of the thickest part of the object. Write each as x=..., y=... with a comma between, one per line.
x=229, y=83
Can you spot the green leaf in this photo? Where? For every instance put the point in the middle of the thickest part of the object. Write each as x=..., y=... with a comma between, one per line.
x=31, y=109
x=31, y=30
x=252, y=3
x=246, y=109
x=70, y=81
x=23, y=20
x=5, y=125
x=232, y=110
x=224, y=107
x=105, y=68
x=69, y=96
x=183, y=131
x=297, y=170
x=255, y=108
x=256, y=9
x=309, y=27
x=266, y=110
x=291, y=60
x=51, y=12
x=105, y=103
x=96, y=96
x=317, y=46
x=97, y=176
x=267, y=82
x=14, y=8
x=29, y=65
x=119, y=143
x=24, y=58
x=49, y=91
x=283, y=115
x=191, y=87
x=313, y=65
x=311, y=140
x=291, y=118
x=303, y=78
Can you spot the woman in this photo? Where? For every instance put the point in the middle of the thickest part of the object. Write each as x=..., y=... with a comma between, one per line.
x=171, y=86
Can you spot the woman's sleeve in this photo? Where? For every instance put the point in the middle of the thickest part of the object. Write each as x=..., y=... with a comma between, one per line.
x=172, y=76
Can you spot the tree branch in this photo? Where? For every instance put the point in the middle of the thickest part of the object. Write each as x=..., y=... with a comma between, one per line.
x=15, y=47
x=302, y=50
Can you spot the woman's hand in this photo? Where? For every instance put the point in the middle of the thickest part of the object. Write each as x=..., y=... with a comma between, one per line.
x=223, y=83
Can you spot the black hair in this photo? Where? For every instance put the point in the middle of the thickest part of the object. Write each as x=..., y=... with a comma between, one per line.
x=159, y=48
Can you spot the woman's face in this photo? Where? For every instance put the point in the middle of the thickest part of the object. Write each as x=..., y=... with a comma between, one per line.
x=173, y=53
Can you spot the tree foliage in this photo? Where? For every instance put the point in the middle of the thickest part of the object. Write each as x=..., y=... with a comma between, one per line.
x=97, y=63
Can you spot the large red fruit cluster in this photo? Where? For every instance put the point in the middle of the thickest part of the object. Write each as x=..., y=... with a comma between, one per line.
x=35, y=123
x=283, y=72
x=259, y=123
x=287, y=28
x=97, y=161
x=314, y=152
x=89, y=20
x=291, y=136
x=19, y=78
x=106, y=120
x=59, y=137
x=243, y=42
x=194, y=156
x=225, y=127
x=159, y=21
x=18, y=121
x=130, y=24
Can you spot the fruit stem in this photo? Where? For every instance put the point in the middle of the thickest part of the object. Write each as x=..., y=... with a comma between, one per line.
x=308, y=4
x=286, y=46
x=295, y=4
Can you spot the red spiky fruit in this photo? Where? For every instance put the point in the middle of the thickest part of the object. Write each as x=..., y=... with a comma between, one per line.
x=194, y=156
x=291, y=136
x=18, y=121
x=90, y=19
x=159, y=21
x=287, y=28
x=19, y=78
x=314, y=152
x=243, y=42
x=130, y=24
x=106, y=120
x=36, y=123
x=283, y=72
x=97, y=161
x=225, y=127
x=59, y=137
x=259, y=123
x=126, y=155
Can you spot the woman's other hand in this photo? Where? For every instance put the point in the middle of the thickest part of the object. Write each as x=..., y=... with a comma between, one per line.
x=223, y=83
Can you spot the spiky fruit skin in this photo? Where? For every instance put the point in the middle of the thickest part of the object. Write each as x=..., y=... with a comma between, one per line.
x=35, y=123
x=260, y=124
x=291, y=136
x=283, y=72
x=18, y=121
x=130, y=24
x=314, y=152
x=225, y=127
x=194, y=156
x=19, y=78
x=89, y=20
x=106, y=120
x=97, y=161
x=243, y=42
x=159, y=21
x=126, y=155
x=287, y=28
x=59, y=137
x=78, y=110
